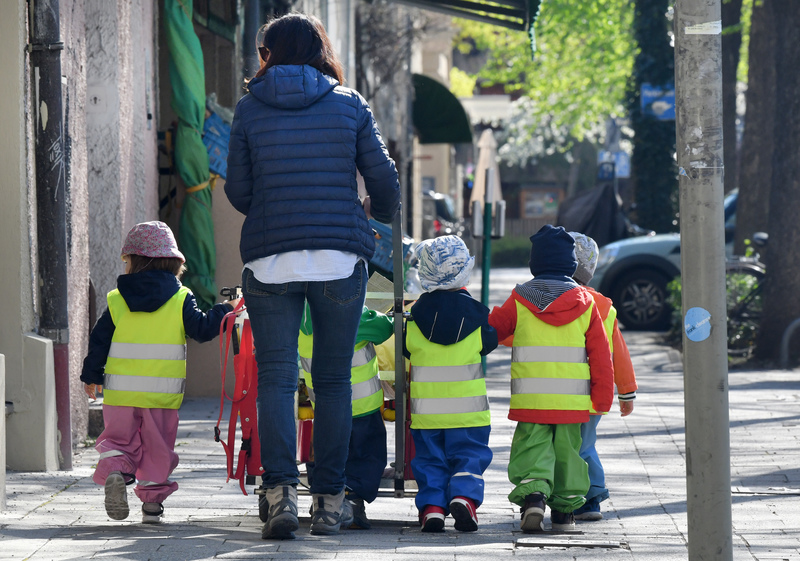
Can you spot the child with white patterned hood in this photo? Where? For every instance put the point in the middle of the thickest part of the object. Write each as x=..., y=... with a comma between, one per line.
x=444, y=339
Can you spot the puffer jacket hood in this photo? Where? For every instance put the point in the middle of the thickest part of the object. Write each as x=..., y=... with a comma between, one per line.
x=446, y=317
x=291, y=86
x=147, y=291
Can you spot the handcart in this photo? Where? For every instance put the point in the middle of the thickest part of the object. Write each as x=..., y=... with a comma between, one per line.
x=236, y=338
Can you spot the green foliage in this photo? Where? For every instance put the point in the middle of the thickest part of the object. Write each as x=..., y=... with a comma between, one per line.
x=674, y=302
x=578, y=75
x=511, y=252
x=744, y=50
x=461, y=83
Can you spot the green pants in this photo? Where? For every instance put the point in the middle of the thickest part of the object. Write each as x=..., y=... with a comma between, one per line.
x=546, y=459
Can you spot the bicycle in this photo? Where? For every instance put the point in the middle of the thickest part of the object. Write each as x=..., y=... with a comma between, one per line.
x=745, y=277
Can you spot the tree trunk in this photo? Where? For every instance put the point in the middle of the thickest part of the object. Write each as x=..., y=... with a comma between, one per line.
x=755, y=171
x=782, y=291
x=731, y=43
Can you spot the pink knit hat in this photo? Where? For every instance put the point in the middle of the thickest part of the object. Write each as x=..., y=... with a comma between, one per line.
x=151, y=239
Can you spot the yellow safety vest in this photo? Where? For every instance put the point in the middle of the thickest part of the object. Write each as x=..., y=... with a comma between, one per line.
x=448, y=389
x=549, y=368
x=364, y=379
x=146, y=364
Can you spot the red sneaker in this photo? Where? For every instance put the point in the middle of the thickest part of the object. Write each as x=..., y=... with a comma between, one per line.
x=432, y=519
x=464, y=512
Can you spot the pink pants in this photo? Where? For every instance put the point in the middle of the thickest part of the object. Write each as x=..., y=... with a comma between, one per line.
x=141, y=442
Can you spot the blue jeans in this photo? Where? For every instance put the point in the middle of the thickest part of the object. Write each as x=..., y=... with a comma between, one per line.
x=275, y=312
x=597, y=476
x=366, y=459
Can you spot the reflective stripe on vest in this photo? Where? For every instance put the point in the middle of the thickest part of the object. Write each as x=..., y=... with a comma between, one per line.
x=366, y=388
x=367, y=393
x=549, y=370
x=139, y=351
x=146, y=384
x=146, y=364
x=548, y=354
x=446, y=373
x=555, y=386
x=449, y=405
x=453, y=371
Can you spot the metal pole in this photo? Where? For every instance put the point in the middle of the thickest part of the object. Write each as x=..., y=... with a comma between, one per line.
x=487, y=236
x=487, y=244
x=51, y=200
x=253, y=20
x=400, y=393
x=698, y=96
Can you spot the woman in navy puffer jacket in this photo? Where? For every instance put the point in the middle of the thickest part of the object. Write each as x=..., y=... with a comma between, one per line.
x=298, y=140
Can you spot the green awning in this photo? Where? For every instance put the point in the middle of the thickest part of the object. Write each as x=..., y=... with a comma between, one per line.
x=438, y=115
x=514, y=14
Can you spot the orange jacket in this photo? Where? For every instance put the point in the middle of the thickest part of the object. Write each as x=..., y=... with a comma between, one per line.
x=624, y=376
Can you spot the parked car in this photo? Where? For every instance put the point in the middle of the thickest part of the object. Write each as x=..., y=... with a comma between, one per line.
x=439, y=216
x=634, y=273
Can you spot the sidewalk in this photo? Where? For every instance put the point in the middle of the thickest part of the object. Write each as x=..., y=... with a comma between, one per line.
x=60, y=515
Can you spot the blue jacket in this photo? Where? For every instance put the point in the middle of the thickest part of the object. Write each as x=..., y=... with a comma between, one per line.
x=297, y=140
x=147, y=292
x=446, y=317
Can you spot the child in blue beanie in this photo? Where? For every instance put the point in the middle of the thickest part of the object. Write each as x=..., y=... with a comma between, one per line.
x=560, y=368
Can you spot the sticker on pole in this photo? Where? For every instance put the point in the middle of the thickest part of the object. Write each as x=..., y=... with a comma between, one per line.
x=697, y=324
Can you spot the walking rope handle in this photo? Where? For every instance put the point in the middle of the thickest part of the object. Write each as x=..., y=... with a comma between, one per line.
x=227, y=334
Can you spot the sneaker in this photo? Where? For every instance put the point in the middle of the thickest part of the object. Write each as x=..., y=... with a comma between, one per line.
x=432, y=519
x=562, y=521
x=533, y=513
x=152, y=513
x=360, y=520
x=263, y=507
x=331, y=512
x=282, y=513
x=590, y=511
x=464, y=512
x=116, y=496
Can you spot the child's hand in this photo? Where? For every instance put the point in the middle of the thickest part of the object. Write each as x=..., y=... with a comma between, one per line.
x=90, y=390
x=626, y=408
x=234, y=302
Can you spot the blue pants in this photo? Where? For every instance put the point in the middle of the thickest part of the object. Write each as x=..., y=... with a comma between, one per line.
x=597, y=477
x=275, y=312
x=450, y=463
x=367, y=457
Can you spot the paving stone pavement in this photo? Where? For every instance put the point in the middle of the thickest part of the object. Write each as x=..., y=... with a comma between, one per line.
x=60, y=515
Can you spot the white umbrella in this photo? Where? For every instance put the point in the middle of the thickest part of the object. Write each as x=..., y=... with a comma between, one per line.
x=487, y=159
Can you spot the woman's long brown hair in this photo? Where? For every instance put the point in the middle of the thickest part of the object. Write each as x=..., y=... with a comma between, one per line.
x=299, y=39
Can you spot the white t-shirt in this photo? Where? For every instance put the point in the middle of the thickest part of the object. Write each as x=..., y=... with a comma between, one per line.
x=305, y=265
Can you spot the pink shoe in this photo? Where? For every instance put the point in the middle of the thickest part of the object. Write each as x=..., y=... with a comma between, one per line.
x=432, y=519
x=464, y=512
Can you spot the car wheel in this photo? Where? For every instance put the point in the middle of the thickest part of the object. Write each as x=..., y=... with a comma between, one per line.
x=640, y=298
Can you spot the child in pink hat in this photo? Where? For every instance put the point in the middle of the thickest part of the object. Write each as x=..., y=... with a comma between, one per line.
x=137, y=358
